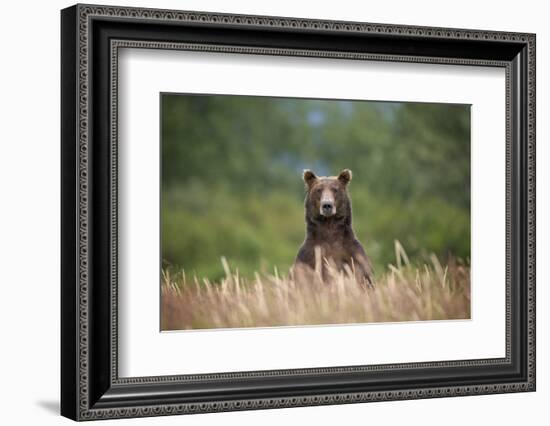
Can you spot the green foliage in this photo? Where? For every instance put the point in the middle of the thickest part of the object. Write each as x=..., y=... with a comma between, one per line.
x=231, y=177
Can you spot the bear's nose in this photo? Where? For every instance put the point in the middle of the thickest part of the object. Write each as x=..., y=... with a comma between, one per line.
x=327, y=206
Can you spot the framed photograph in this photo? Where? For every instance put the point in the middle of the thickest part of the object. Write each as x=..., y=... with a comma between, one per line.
x=263, y=212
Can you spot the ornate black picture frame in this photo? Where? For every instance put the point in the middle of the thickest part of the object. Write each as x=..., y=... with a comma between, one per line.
x=90, y=38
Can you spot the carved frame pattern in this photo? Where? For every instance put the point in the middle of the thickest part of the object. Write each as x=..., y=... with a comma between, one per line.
x=85, y=14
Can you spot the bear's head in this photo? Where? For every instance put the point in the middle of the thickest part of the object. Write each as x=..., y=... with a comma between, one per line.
x=327, y=197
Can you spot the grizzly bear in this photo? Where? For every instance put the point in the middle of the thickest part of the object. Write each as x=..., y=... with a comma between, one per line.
x=329, y=235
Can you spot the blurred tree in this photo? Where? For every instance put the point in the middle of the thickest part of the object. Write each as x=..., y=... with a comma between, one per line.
x=231, y=177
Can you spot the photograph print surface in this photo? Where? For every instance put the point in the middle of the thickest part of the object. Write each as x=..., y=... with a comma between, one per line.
x=294, y=212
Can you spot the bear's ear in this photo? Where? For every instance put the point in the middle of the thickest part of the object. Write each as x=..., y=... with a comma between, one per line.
x=309, y=178
x=345, y=176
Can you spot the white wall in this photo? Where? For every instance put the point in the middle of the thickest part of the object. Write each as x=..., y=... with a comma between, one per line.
x=29, y=225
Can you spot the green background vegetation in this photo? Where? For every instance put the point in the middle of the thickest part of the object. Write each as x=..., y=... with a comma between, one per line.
x=232, y=178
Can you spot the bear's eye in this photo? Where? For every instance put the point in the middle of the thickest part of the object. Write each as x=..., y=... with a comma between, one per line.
x=334, y=189
x=318, y=191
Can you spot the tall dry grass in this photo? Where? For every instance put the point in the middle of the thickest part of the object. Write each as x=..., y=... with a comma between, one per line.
x=403, y=293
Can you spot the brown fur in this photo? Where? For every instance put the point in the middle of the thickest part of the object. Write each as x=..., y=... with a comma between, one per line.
x=329, y=230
